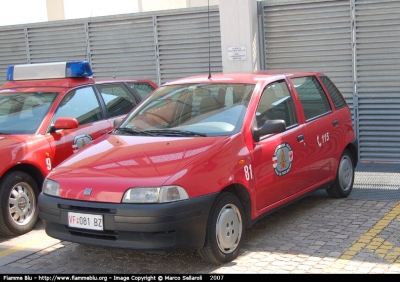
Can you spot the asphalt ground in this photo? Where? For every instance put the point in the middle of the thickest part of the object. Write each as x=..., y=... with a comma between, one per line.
x=317, y=234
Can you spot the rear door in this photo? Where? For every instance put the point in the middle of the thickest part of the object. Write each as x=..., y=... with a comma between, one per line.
x=322, y=128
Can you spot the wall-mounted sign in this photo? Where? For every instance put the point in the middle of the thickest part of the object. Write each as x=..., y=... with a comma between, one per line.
x=237, y=53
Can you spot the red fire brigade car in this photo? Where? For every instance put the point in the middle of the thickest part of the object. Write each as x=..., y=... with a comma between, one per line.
x=200, y=160
x=47, y=113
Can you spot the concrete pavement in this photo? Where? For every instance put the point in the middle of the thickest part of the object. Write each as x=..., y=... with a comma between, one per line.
x=317, y=234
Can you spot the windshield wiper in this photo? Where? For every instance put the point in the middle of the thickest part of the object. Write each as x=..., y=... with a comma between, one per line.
x=174, y=132
x=133, y=131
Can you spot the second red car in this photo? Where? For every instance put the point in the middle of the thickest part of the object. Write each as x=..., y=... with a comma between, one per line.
x=47, y=113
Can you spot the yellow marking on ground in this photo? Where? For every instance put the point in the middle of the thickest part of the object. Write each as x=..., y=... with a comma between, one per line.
x=23, y=246
x=369, y=240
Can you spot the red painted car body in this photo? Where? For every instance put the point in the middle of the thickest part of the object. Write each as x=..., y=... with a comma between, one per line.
x=201, y=159
x=39, y=129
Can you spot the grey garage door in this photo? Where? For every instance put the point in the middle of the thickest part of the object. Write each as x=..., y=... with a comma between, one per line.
x=357, y=44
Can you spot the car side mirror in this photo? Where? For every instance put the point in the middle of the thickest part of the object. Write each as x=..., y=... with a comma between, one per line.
x=269, y=127
x=65, y=123
x=117, y=121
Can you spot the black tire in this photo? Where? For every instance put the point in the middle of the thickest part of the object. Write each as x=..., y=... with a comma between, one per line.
x=18, y=203
x=344, y=181
x=224, y=246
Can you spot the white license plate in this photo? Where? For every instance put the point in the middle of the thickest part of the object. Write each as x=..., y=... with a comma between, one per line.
x=86, y=221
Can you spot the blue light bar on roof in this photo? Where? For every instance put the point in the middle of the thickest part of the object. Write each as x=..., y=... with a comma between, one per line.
x=77, y=69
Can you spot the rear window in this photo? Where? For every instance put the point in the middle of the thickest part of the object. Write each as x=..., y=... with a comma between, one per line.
x=142, y=88
x=312, y=97
x=335, y=94
x=117, y=98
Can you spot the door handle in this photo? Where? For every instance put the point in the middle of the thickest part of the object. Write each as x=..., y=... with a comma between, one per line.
x=300, y=137
x=335, y=122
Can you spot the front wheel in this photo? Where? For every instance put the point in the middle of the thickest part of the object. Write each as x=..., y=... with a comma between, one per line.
x=225, y=230
x=343, y=184
x=18, y=203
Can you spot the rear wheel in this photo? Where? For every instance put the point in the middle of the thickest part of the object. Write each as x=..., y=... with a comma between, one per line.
x=18, y=203
x=225, y=230
x=343, y=184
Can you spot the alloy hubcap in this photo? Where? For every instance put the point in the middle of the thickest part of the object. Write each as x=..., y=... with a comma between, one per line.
x=21, y=203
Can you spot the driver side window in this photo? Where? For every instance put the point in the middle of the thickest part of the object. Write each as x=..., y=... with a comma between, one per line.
x=276, y=103
x=81, y=104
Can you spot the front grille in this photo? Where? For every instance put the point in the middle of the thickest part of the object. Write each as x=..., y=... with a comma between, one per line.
x=103, y=235
x=87, y=209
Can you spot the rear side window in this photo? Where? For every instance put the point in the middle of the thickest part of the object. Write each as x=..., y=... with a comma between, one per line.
x=335, y=94
x=312, y=96
x=117, y=98
x=142, y=88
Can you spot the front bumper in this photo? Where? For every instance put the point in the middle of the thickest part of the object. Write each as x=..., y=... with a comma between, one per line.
x=150, y=227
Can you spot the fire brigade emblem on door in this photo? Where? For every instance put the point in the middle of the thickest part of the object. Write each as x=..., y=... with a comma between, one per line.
x=81, y=141
x=282, y=159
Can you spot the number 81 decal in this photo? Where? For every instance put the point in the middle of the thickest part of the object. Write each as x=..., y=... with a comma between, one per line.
x=248, y=172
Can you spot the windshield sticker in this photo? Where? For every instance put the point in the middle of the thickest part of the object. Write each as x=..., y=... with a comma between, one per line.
x=81, y=141
x=282, y=159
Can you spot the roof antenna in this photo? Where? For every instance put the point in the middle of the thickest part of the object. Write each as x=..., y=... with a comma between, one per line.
x=209, y=43
x=87, y=38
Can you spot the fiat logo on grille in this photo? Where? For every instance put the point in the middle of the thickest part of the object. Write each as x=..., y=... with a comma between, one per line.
x=87, y=192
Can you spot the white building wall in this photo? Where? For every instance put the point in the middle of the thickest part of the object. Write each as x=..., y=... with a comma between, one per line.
x=239, y=35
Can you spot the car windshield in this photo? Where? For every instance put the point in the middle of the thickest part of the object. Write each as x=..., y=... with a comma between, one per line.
x=213, y=109
x=22, y=113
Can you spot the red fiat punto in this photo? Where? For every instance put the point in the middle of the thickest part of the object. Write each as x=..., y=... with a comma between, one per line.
x=47, y=113
x=200, y=160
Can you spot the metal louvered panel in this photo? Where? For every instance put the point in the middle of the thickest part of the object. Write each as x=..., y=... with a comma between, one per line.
x=310, y=35
x=63, y=42
x=13, y=50
x=188, y=44
x=129, y=45
x=123, y=48
x=378, y=76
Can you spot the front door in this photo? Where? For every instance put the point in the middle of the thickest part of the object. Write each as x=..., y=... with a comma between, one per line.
x=279, y=160
x=83, y=105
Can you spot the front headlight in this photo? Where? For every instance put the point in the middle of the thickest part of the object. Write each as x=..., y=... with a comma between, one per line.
x=51, y=188
x=162, y=194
